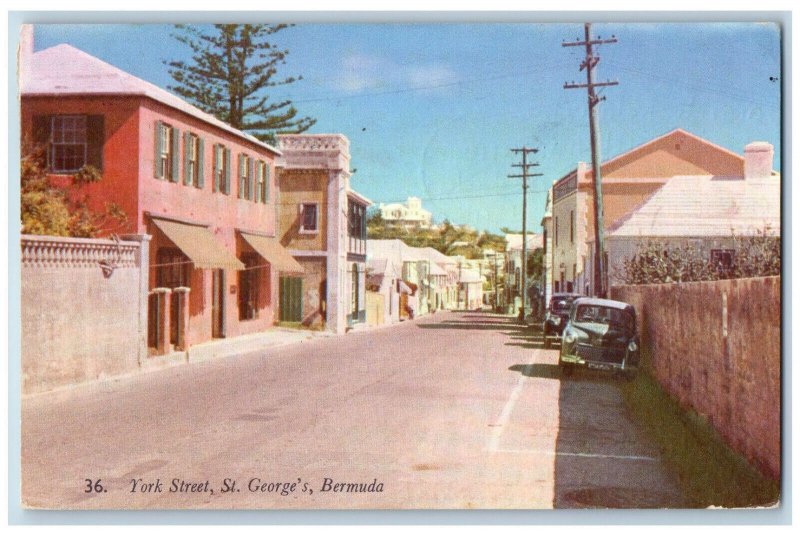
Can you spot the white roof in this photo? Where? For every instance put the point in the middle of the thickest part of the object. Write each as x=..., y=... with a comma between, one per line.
x=688, y=206
x=65, y=70
x=394, y=249
x=514, y=241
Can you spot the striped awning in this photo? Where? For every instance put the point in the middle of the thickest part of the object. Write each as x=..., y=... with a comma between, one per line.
x=273, y=252
x=197, y=243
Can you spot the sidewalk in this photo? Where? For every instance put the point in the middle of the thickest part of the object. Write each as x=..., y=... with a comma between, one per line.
x=216, y=349
x=243, y=344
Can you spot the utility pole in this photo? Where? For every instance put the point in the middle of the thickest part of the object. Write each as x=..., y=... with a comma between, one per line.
x=496, y=303
x=589, y=63
x=524, y=176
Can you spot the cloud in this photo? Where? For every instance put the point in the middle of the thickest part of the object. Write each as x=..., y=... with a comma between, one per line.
x=362, y=72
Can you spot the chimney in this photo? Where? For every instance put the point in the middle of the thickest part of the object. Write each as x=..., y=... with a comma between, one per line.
x=24, y=51
x=758, y=160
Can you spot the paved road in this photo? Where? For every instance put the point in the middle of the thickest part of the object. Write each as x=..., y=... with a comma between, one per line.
x=455, y=410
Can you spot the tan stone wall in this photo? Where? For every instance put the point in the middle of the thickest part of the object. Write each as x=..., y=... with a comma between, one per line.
x=77, y=323
x=715, y=347
x=296, y=187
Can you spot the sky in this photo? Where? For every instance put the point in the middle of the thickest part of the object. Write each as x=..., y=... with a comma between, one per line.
x=433, y=110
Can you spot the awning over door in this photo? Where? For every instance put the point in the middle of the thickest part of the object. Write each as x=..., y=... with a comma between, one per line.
x=197, y=243
x=274, y=253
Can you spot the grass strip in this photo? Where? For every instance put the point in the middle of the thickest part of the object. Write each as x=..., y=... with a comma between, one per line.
x=709, y=472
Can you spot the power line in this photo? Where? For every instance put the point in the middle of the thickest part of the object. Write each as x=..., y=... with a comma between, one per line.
x=538, y=70
x=715, y=90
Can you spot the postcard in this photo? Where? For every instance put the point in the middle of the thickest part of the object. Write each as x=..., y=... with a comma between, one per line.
x=391, y=266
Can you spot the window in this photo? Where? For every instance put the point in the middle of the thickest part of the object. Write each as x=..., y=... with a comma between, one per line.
x=555, y=235
x=222, y=169
x=245, y=177
x=248, y=287
x=192, y=160
x=572, y=226
x=722, y=260
x=70, y=141
x=356, y=221
x=262, y=181
x=166, y=152
x=308, y=217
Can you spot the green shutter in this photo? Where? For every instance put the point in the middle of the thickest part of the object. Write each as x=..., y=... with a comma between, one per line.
x=226, y=187
x=200, y=162
x=266, y=182
x=158, y=149
x=41, y=135
x=95, y=137
x=241, y=175
x=215, y=162
x=187, y=168
x=251, y=179
x=176, y=155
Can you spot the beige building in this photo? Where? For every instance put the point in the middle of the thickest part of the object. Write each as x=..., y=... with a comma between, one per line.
x=322, y=222
x=628, y=180
x=703, y=212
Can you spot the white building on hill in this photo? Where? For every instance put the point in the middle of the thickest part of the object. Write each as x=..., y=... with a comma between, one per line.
x=408, y=214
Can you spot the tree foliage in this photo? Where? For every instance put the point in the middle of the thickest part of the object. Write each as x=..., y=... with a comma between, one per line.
x=657, y=262
x=233, y=67
x=62, y=209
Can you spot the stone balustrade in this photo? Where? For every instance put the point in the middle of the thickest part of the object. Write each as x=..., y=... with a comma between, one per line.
x=68, y=252
x=313, y=142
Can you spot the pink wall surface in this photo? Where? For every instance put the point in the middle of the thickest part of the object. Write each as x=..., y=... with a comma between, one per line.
x=121, y=125
x=224, y=214
x=715, y=346
x=129, y=181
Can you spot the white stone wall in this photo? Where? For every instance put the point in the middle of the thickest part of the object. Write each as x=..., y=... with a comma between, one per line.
x=84, y=309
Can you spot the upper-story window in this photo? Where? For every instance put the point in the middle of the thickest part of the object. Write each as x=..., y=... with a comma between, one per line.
x=245, y=177
x=572, y=226
x=166, y=152
x=70, y=141
x=192, y=160
x=356, y=221
x=262, y=181
x=68, y=145
x=222, y=169
x=308, y=218
x=555, y=234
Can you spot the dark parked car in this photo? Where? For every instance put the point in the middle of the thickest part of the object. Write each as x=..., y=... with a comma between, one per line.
x=600, y=334
x=557, y=314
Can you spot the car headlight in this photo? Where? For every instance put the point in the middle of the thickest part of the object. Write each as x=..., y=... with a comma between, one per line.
x=556, y=320
x=569, y=336
x=632, y=346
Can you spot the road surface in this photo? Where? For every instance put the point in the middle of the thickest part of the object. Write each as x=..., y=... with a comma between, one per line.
x=453, y=410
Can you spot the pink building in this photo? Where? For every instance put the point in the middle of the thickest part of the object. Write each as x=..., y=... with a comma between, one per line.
x=204, y=191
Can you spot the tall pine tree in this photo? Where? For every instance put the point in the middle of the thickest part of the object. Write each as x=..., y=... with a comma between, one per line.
x=232, y=68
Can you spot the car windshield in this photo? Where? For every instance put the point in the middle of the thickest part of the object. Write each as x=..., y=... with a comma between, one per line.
x=604, y=315
x=561, y=304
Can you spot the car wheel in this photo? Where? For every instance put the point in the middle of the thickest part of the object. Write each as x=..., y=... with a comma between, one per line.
x=566, y=369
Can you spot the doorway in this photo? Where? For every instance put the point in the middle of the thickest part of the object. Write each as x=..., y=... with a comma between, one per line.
x=218, y=304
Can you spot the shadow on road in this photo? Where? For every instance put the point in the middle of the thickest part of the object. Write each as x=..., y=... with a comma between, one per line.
x=477, y=321
x=602, y=459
